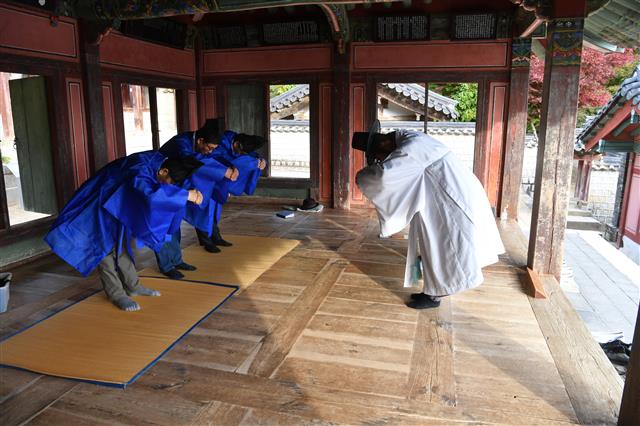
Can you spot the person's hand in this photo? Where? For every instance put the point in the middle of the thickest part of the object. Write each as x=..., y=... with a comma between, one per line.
x=232, y=174
x=262, y=163
x=195, y=196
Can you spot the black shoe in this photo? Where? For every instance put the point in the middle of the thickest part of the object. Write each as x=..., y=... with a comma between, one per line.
x=222, y=243
x=174, y=274
x=423, y=301
x=211, y=248
x=217, y=238
x=415, y=296
x=186, y=267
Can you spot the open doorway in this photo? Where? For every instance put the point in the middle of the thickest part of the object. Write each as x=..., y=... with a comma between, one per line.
x=137, y=118
x=25, y=146
x=289, y=137
x=167, y=117
x=446, y=111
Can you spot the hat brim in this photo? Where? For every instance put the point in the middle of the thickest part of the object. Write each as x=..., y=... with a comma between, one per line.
x=374, y=129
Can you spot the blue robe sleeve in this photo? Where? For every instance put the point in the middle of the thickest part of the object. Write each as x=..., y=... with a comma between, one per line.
x=207, y=178
x=147, y=208
x=249, y=175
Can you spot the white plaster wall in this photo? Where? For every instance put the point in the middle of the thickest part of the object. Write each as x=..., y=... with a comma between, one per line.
x=529, y=168
x=290, y=154
x=462, y=147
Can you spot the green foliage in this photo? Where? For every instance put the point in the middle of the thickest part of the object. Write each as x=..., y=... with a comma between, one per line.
x=465, y=93
x=621, y=74
x=279, y=89
x=5, y=159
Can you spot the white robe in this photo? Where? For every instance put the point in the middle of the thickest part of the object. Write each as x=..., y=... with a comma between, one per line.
x=423, y=184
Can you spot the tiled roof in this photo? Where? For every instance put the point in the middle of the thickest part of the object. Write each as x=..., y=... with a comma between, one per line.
x=434, y=128
x=296, y=94
x=412, y=91
x=416, y=93
x=617, y=23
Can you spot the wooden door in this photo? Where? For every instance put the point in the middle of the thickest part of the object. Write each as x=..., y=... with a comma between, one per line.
x=33, y=144
x=246, y=111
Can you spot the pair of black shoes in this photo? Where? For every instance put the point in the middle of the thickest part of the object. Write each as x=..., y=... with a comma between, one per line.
x=211, y=244
x=175, y=274
x=423, y=301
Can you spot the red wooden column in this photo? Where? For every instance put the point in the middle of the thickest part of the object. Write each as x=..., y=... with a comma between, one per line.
x=341, y=134
x=90, y=37
x=555, y=149
x=516, y=127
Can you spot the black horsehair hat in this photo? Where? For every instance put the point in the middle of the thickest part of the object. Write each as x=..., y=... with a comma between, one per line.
x=211, y=129
x=363, y=141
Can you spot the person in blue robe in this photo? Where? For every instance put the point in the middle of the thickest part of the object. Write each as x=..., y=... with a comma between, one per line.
x=211, y=176
x=235, y=150
x=139, y=196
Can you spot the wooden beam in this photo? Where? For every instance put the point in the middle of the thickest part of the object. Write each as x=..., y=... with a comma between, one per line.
x=555, y=149
x=153, y=114
x=92, y=83
x=280, y=340
x=432, y=377
x=532, y=27
x=630, y=407
x=611, y=124
x=591, y=381
x=516, y=128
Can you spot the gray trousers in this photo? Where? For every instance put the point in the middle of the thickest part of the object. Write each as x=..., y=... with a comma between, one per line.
x=118, y=280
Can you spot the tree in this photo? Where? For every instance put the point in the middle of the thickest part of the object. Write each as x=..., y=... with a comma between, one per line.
x=279, y=89
x=465, y=93
x=600, y=76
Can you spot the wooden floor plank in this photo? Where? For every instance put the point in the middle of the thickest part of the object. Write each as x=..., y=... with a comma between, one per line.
x=281, y=338
x=367, y=309
x=220, y=413
x=337, y=375
x=23, y=405
x=371, y=328
x=431, y=377
x=160, y=407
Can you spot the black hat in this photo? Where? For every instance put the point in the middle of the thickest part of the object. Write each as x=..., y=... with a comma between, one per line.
x=308, y=204
x=181, y=168
x=363, y=141
x=210, y=131
x=249, y=143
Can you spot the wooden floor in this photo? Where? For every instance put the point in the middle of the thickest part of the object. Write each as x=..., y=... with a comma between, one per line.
x=324, y=337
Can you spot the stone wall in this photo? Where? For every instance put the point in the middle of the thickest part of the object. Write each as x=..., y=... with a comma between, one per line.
x=602, y=194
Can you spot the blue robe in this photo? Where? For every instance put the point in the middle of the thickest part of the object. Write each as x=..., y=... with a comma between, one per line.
x=208, y=179
x=123, y=199
x=249, y=174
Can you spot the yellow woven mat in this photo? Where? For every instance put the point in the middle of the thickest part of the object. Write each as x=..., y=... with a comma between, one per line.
x=94, y=341
x=238, y=265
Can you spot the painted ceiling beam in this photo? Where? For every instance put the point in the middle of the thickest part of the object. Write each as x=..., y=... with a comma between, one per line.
x=141, y=9
x=110, y=10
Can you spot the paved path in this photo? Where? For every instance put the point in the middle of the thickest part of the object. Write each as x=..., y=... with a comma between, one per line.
x=607, y=284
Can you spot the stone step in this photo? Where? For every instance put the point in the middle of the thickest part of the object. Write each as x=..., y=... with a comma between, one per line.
x=579, y=212
x=584, y=223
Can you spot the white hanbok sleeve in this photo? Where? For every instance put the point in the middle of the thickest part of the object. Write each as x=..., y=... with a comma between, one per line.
x=395, y=187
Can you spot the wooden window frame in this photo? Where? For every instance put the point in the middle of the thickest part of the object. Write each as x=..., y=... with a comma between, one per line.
x=268, y=182
x=10, y=234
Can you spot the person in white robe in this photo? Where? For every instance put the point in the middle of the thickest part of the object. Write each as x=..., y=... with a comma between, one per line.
x=414, y=179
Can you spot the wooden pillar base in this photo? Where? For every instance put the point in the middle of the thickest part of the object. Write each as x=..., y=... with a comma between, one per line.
x=536, y=288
